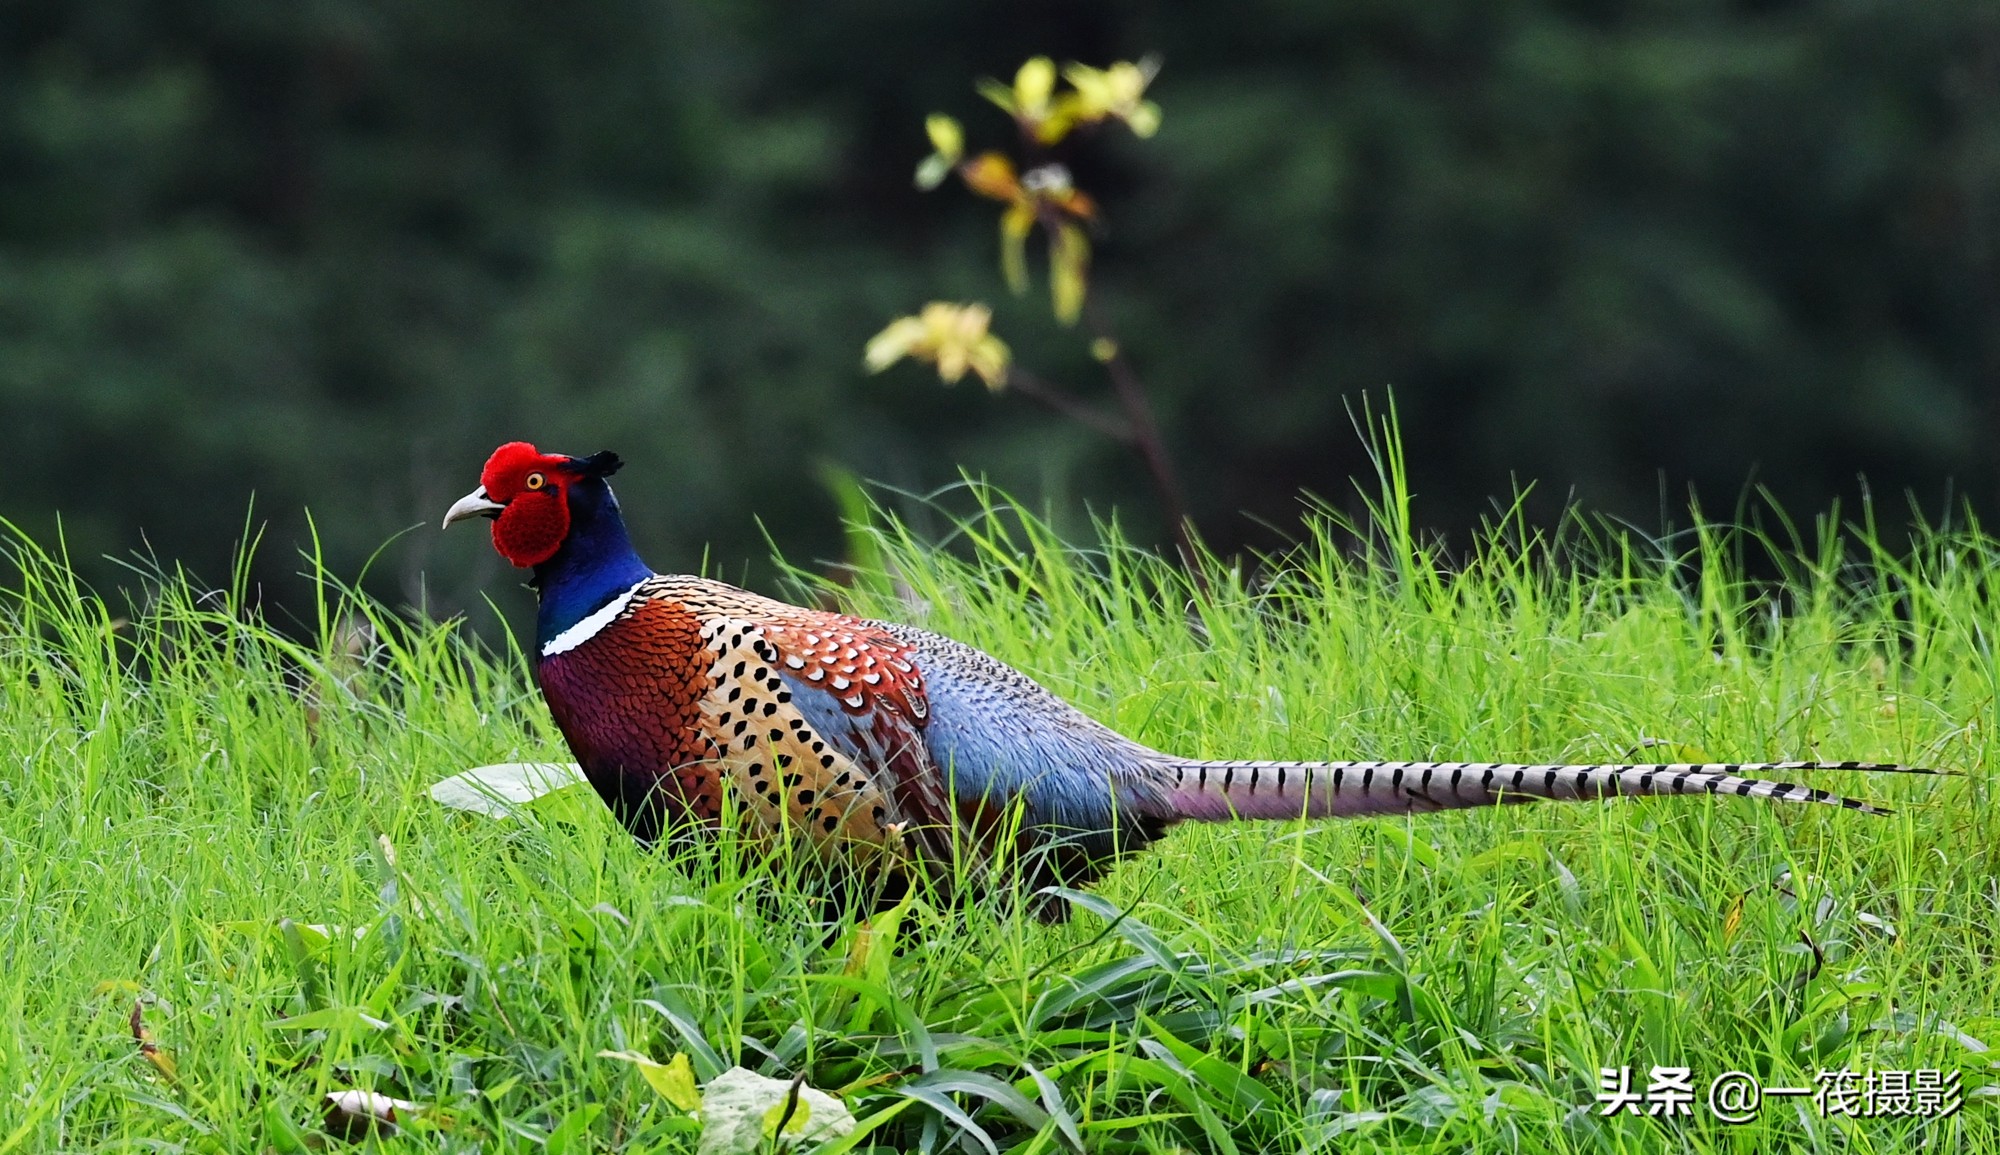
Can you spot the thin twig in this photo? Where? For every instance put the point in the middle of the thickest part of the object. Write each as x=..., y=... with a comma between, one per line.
x=1145, y=431
x=1029, y=385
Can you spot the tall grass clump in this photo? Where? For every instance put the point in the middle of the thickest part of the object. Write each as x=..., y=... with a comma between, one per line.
x=214, y=830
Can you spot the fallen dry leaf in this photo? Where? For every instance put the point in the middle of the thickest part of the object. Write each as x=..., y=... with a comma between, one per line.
x=160, y=1059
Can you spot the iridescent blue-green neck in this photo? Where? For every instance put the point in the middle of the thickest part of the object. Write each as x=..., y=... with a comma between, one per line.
x=595, y=564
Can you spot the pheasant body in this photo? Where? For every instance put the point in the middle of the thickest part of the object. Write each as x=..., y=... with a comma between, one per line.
x=688, y=701
x=683, y=692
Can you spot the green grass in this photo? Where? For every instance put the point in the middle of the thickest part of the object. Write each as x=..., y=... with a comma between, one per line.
x=179, y=777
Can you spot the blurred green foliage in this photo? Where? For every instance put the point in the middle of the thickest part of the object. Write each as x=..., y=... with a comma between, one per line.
x=333, y=252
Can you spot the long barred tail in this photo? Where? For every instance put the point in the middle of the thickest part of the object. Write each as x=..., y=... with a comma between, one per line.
x=1221, y=791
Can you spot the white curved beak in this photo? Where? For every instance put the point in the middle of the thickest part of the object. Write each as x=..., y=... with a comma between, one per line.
x=474, y=504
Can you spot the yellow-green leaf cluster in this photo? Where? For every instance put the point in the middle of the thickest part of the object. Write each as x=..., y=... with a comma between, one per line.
x=1069, y=271
x=953, y=337
x=1115, y=93
x=1046, y=116
x=947, y=146
x=1030, y=100
x=1043, y=196
x=672, y=1080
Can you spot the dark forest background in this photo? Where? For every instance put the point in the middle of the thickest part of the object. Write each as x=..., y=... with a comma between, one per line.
x=333, y=252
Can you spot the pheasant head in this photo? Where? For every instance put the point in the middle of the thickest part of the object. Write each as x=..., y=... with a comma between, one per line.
x=555, y=514
x=530, y=496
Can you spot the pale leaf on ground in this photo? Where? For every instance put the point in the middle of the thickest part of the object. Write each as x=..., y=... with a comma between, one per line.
x=352, y=1114
x=736, y=1103
x=498, y=790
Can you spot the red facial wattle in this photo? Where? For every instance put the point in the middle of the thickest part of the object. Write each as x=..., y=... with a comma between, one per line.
x=532, y=527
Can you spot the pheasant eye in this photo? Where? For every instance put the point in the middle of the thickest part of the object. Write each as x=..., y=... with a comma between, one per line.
x=536, y=481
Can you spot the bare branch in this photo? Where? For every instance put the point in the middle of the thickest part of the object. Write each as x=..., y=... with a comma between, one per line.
x=1033, y=387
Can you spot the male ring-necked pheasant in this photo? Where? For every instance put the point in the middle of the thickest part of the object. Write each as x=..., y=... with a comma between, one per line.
x=886, y=745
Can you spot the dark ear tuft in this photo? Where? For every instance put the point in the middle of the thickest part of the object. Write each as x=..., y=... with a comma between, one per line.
x=603, y=463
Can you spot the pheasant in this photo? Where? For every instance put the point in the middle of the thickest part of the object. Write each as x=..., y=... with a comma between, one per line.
x=689, y=702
